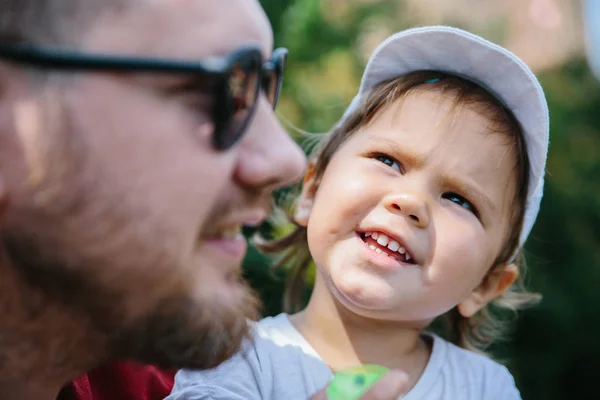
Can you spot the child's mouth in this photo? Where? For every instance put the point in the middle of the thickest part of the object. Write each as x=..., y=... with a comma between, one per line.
x=383, y=244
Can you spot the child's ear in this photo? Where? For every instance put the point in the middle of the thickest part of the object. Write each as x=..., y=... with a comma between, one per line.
x=306, y=200
x=493, y=286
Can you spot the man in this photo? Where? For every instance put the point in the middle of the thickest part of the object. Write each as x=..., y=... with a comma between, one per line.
x=137, y=137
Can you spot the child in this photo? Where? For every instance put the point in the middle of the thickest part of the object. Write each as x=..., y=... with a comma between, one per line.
x=416, y=206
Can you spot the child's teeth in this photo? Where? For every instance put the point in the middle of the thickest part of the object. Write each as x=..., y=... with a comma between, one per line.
x=383, y=239
x=393, y=245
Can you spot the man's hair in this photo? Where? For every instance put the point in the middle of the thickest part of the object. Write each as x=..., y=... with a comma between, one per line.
x=471, y=333
x=58, y=22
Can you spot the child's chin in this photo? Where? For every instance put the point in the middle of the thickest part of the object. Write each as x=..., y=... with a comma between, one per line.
x=366, y=293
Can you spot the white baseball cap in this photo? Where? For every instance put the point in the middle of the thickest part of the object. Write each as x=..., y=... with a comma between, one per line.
x=504, y=75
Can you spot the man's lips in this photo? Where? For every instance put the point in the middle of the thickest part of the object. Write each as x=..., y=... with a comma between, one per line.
x=231, y=226
x=233, y=247
x=227, y=238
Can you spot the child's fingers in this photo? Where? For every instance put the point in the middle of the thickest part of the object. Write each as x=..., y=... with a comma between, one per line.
x=390, y=387
x=320, y=395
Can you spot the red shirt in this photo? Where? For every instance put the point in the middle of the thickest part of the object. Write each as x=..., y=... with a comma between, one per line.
x=120, y=381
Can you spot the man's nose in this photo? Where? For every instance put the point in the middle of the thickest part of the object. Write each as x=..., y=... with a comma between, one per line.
x=268, y=158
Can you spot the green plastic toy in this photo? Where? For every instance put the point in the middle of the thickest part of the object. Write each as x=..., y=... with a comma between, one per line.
x=351, y=383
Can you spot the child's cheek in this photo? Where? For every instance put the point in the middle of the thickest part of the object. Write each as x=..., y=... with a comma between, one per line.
x=460, y=251
x=360, y=179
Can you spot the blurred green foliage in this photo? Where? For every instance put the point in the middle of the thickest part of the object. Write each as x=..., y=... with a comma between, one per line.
x=552, y=352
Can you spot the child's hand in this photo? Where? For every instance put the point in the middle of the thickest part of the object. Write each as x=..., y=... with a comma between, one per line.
x=390, y=387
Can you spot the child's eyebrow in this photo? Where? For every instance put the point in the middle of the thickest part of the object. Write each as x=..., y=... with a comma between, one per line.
x=409, y=158
x=468, y=189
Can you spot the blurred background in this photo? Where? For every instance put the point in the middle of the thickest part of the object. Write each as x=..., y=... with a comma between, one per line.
x=553, y=351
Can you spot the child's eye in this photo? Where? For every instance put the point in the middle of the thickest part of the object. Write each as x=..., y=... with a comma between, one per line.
x=387, y=160
x=461, y=201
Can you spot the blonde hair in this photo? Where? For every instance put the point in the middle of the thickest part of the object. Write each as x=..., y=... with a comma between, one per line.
x=474, y=333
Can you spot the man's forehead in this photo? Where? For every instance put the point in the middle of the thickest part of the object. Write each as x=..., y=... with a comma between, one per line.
x=182, y=28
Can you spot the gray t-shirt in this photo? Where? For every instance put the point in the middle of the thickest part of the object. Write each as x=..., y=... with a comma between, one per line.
x=280, y=364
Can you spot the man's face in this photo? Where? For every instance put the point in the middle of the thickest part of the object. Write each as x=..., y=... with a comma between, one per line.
x=120, y=206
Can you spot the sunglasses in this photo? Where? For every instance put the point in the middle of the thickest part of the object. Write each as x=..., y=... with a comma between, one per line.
x=236, y=79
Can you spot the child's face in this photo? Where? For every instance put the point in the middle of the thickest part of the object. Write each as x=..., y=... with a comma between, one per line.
x=440, y=185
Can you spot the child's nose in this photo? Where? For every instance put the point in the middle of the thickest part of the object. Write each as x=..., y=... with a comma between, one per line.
x=411, y=206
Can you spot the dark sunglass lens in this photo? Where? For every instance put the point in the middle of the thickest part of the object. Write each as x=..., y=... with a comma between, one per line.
x=242, y=88
x=269, y=84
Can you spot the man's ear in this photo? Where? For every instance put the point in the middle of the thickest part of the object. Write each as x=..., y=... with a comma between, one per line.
x=493, y=286
x=306, y=200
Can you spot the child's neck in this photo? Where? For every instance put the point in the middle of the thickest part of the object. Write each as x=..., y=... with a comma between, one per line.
x=344, y=339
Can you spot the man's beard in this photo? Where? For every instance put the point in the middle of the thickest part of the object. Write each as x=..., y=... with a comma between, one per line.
x=188, y=335
x=179, y=332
